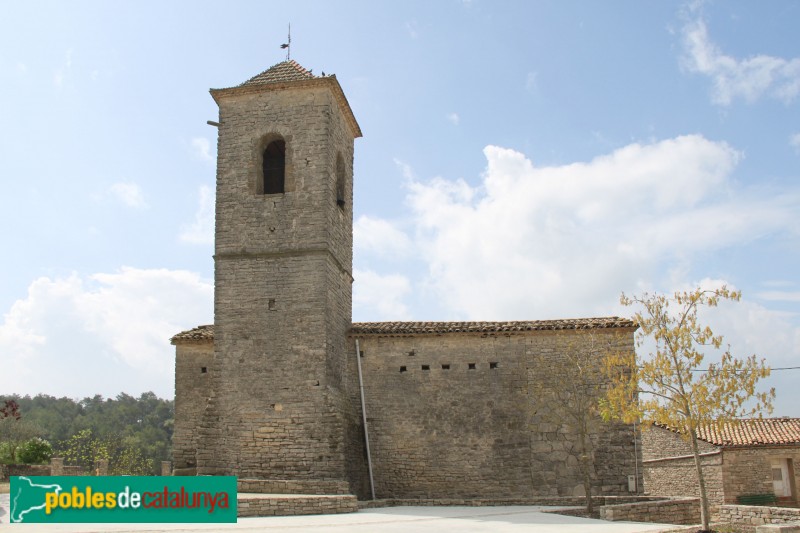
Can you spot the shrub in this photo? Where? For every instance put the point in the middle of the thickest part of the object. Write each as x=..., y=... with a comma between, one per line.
x=35, y=451
x=6, y=457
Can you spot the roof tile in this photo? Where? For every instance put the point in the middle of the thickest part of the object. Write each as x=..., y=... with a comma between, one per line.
x=200, y=333
x=282, y=72
x=750, y=432
x=439, y=328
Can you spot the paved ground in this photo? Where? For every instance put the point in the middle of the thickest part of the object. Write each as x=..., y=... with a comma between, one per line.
x=512, y=519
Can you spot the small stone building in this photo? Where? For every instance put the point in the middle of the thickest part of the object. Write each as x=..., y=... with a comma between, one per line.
x=271, y=392
x=754, y=457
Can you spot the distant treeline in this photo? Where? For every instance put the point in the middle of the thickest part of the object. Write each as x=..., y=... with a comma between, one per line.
x=142, y=425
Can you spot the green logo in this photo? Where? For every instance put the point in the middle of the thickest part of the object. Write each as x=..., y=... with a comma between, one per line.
x=52, y=499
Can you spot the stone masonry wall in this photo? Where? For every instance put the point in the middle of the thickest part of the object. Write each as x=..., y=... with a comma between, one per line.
x=283, y=263
x=664, y=475
x=272, y=505
x=658, y=443
x=192, y=362
x=6, y=471
x=756, y=515
x=678, y=511
x=748, y=470
x=678, y=477
x=453, y=416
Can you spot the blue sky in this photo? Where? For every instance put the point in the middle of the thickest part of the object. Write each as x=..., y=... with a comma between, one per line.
x=520, y=160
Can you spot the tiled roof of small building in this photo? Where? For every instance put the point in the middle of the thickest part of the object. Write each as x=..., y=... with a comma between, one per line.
x=438, y=328
x=200, y=333
x=422, y=328
x=282, y=72
x=751, y=432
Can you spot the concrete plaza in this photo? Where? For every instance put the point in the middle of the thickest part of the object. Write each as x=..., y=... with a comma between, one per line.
x=501, y=519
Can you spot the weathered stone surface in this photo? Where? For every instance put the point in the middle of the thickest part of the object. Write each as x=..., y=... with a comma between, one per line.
x=285, y=505
x=729, y=472
x=451, y=431
x=192, y=362
x=757, y=515
x=283, y=263
x=675, y=511
x=273, y=395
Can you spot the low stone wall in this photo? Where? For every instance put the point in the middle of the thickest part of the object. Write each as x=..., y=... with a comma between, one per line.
x=683, y=511
x=566, y=501
x=280, y=486
x=73, y=471
x=779, y=528
x=288, y=505
x=6, y=471
x=57, y=468
x=757, y=515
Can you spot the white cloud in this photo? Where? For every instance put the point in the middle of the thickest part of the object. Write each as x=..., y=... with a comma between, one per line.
x=532, y=82
x=411, y=28
x=794, y=141
x=749, y=78
x=780, y=296
x=129, y=194
x=550, y=242
x=380, y=237
x=103, y=333
x=547, y=242
x=201, y=230
x=381, y=296
x=454, y=118
x=202, y=149
x=63, y=69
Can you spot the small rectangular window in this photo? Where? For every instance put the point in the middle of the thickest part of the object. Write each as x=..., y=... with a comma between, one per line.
x=403, y=369
x=492, y=365
x=271, y=304
x=471, y=366
x=445, y=367
x=203, y=369
x=426, y=367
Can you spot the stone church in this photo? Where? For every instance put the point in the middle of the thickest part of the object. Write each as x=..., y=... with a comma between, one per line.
x=275, y=392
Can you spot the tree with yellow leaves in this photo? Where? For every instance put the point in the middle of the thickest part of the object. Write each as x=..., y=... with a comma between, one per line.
x=673, y=386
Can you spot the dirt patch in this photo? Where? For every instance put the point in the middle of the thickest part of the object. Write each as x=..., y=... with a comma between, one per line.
x=4, y=488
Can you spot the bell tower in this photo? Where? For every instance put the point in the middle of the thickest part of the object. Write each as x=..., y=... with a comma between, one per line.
x=278, y=406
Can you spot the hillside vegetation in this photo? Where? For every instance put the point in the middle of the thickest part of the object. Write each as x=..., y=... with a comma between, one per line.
x=134, y=434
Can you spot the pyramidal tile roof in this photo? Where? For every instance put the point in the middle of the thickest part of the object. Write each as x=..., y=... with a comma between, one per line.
x=284, y=71
x=290, y=74
x=206, y=333
x=750, y=432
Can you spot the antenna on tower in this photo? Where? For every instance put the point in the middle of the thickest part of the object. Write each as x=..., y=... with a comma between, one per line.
x=288, y=44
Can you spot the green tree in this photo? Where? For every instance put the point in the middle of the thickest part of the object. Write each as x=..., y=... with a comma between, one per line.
x=124, y=455
x=84, y=449
x=674, y=386
x=145, y=423
x=14, y=431
x=130, y=461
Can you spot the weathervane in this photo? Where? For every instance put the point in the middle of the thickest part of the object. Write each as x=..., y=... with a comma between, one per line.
x=288, y=44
